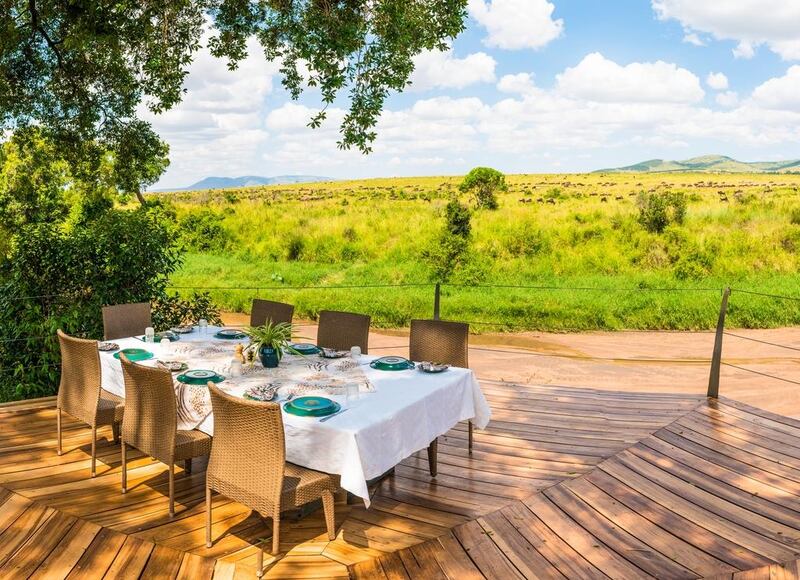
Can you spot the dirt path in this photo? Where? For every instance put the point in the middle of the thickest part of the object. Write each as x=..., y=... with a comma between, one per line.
x=676, y=362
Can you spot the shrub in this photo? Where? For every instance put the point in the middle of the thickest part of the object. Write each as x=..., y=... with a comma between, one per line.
x=483, y=183
x=694, y=265
x=60, y=277
x=444, y=257
x=171, y=310
x=458, y=219
x=294, y=248
x=202, y=231
x=350, y=234
x=658, y=210
x=554, y=193
x=527, y=241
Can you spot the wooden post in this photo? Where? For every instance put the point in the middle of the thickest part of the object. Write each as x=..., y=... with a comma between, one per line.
x=716, y=357
x=436, y=300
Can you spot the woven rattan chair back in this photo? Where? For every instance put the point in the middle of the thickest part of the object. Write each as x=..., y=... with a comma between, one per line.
x=440, y=341
x=247, y=453
x=341, y=330
x=79, y=391
x=264, y=310
x=151, y=415
x=123, y=320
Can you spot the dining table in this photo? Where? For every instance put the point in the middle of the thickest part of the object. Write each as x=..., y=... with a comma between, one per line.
x=385, y=416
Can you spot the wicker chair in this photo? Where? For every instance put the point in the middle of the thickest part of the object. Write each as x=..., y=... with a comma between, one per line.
x=151, y=423
x=124, y=320
x=341, y=330
x=443, y=342
x=80, y=393
x=264, y=310
x=248, y=465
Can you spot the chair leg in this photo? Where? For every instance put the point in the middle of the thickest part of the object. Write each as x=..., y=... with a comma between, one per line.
x=433, y=451
x=172, y=489
x=124, y=467
x=187, y=466
x=94, y=450
x=330, y=513
x=115, y=431
x=260, y=563
x=469, y=434
x=58, y=427
x=208, y=517
x=276, y=532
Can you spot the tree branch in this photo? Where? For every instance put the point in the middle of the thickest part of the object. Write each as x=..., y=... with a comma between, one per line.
x=37, y=27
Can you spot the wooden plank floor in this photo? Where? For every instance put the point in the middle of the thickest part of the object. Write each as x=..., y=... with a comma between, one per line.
x=715, y=493
x=56, y=522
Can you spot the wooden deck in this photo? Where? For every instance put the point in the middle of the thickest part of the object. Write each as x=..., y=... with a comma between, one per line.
x=712, y=494
x=565, y=482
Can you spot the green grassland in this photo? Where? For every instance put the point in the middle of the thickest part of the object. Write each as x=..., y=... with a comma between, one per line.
x=554, y=231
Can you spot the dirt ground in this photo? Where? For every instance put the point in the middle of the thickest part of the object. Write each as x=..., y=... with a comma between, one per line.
x=674, y=362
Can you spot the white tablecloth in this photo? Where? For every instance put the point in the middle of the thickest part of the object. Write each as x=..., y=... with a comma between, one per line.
x=407, y=410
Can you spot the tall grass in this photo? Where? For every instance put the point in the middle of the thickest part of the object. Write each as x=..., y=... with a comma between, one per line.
x=375, y=231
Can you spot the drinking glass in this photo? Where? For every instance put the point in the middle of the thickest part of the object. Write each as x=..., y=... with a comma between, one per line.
x=202, y=325
x=351, y=394
x=355, y=352
x=149, y=334
x=166, y=345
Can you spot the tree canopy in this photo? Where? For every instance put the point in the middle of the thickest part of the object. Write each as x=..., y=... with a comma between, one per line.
x=483, y=182
x=80, y=71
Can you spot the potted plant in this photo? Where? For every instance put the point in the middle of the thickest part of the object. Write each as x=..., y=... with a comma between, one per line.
x=269, y=341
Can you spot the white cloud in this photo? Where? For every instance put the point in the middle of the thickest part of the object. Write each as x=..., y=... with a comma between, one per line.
x=597, y=78
x=521, y=84
x=217, y=128
x=693, y=38
x=748, y=22
x=727, y=99
x=596, y=107
x=745, y=49
x=717, y=81
x=781, y=93
x=517, y=24
x=437, y=69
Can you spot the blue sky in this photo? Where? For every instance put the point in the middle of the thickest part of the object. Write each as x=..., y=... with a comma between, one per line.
x=530, y=86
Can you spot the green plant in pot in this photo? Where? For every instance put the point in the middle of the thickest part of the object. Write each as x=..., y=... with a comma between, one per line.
x=269, y=341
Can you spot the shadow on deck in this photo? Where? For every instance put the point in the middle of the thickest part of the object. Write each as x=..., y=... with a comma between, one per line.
x=565, y=482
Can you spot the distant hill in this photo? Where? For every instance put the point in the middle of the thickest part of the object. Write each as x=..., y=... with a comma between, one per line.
x=248, y=180
x=709, y=164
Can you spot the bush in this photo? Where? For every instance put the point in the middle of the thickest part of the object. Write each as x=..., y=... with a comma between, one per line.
x=527, y=241
x=60, y=277
x=294, y=249
x=202, y=231
x=695, y=264
x=171, y=310
x=658, y=210
x=447, y=253
x=458, y=219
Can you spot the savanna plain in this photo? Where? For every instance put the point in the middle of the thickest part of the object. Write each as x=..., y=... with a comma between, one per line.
x=572, y=252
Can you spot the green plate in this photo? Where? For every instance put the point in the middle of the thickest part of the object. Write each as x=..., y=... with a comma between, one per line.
x=134, y=354
x=230, y=334
x=305, y=347
x=392, y=363
x=200, y=377
x=311, y=406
